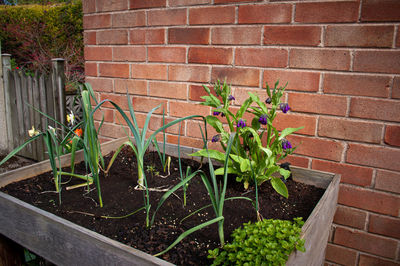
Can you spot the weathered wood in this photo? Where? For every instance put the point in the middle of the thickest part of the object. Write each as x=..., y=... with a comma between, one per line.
x=37, y=117
x=8, y=96
x=46, y=232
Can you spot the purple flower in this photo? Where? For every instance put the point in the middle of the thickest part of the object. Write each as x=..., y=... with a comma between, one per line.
x=268, y=100
x=241, y=123
x=231, y=98
x=286, y=145
x=216, y=113
x=284, y=107
x=263, y=119
x=216, y=138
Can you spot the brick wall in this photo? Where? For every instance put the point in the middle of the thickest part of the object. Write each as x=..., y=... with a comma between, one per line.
x=342, y=62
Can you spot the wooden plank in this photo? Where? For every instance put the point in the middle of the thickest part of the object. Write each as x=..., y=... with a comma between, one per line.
x=30, y=113
x=19, y=134
x=49, y=100
x=9, y=94
x=37, y=115
x=62, y=242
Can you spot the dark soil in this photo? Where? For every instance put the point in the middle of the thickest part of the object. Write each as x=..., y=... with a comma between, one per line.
x=121, y=198
x=14, y=163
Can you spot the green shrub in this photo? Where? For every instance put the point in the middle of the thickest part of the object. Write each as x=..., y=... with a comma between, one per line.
x=268, y=242
x=34, y=34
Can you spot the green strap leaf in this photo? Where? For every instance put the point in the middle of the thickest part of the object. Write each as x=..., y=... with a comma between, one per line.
x=279, y=186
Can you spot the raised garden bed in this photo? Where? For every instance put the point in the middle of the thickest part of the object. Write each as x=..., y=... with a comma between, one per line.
x=65, y=243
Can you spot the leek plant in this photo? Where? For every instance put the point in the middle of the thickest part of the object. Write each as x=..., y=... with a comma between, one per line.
x=139, y=144
x=215, y=192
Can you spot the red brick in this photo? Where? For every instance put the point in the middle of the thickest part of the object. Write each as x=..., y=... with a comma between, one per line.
x=292, y=35
x=112, y=37
x=366, y=242
x=98, y=53
x=392, y=135
x=147, y=36
x=350, y=217
x=185, y=141
x=320, y=59
x=104, y=139
x=366, y=260
x=369, y=200
x=317, y=103
x=237, y=76
x=189, y=35
x=128, y=19
x=196, y=91
x=114, y=70
x=270, y=13
x=181, y=109
x=384, y=225
x=359, y=36
x=212, y=15
x=100, y=84
x=113, y=5
x=350, y=130
x=89, y=37
x=167, y=54
x=156, y=123
x=91, y=69
x=166, y=17
x=396, y=88
x=142, y=104
x=144, y=71
x=358, y=85
x=350, y=174
x=189, y=73
x=327, y=12
x=377, y=61
x=138, y=87
x=241, y=94
x=104, y=114
x=283, y=121
x=89, y=6
x=168, y=90
x=236, y=35
x=210, y=55
x=187, y=2
x=113, y=131
x=140, y=118
x=129, y=54
x=193, y=130
x=389, y=181
x=262, y=57
x=340, y=255
x=234, y=1
x=97, y=21
x=375, y=109
x=381, y=157
x=320, y=148
x=120, y=100
x=377, y=10
x=136, y=4
x=296, y=161
x=297, y=80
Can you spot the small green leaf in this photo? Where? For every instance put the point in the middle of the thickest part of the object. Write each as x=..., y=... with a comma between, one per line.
x=215, y=123
x=288, y=131
x=245, y=165
x=285, y=173
x=231, y=170
x=217, y=155
x=279, y=186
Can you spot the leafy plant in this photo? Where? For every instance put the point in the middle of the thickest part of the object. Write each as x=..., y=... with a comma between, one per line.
x=250, y=157
x=267, y=242
x=140, y=144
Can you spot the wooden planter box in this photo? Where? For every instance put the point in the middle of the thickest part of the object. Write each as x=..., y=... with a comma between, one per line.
x=65, y=243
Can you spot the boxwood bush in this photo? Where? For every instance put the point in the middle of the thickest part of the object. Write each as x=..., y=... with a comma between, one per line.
x=267, y=242
x=33, y=34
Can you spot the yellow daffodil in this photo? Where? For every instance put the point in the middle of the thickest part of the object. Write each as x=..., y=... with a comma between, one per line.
x=33, y=132
x=71, y=118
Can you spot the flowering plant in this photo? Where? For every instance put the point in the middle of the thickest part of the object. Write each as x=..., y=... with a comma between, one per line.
x=259, y=145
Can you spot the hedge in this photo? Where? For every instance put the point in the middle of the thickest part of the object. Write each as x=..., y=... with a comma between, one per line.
x=33, y=34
